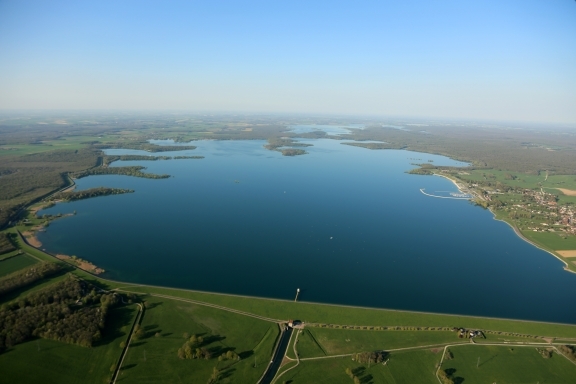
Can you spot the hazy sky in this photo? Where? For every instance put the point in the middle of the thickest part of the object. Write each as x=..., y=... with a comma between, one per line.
x=493, y=59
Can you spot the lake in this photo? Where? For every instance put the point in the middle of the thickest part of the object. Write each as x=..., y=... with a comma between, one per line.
x=346, y=225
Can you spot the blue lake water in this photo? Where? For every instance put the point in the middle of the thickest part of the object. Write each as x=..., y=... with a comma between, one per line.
x=346, y=225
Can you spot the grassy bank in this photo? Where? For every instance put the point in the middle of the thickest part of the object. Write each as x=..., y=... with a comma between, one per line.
x=333, y=314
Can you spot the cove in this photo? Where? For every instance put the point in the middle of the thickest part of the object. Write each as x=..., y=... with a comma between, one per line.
x=344, y=224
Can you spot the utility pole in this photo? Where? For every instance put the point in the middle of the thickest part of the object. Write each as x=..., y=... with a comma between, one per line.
x=478, y=363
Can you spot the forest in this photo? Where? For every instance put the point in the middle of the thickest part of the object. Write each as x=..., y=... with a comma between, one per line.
x=88, y=193
x=28, y=178
x=111, y=158
x=135, y=171
x=528, y=150
x=70, y=311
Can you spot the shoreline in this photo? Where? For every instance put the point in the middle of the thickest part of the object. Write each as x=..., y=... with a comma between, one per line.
x=81, y=263
x=516, y=230
x=457, y=186
x=29, y=236
x=520, y=235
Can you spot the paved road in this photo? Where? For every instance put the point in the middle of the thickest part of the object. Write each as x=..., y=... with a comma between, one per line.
x=277, y=358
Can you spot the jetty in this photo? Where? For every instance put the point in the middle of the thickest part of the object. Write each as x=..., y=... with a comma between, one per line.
x=455, y=196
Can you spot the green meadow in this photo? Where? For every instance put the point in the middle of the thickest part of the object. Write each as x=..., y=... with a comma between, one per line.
x=508, y=364
x=67, y=142
x=316, y=342
x=334, y=314
x=551, y=240
x=15, y=263
x=403, y=367
x=154, y=358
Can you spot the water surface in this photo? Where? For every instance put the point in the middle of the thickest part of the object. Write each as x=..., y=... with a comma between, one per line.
x=346, y=225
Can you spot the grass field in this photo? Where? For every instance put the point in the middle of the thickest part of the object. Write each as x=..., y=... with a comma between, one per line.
x=324, y=313
x=551, y=240
x=523, y=180
x=313, y=342
x=561, y=181
x=68, y=142
x=403, y=367
x=8, y=255
x=510, y=364
x=47, y=361
x=16, y=263
x=154, y=359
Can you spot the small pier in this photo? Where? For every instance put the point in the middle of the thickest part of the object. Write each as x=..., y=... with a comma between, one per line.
x=297, y=293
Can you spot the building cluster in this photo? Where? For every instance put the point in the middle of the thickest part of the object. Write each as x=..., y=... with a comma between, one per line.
x=562, y=217
x=464, y=333
x=538, y=205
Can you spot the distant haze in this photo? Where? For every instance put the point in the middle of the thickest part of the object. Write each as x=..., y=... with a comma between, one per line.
x=493, y=59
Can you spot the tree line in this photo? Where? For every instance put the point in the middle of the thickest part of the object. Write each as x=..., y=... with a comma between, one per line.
x=144, y=146
x=135, y=171
x=88, y=193
x=27, y=276
x=5, y=243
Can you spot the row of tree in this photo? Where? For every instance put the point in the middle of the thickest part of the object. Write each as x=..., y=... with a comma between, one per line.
x=144, y=146
x=370, y=357
x=27, y=276
x=5, y=243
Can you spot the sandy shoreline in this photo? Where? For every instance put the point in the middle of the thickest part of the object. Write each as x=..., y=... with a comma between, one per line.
x=457, y=185
x=32, y=239
x=81, y=263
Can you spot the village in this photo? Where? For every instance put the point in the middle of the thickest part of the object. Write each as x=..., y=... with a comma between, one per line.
x=530, y=209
